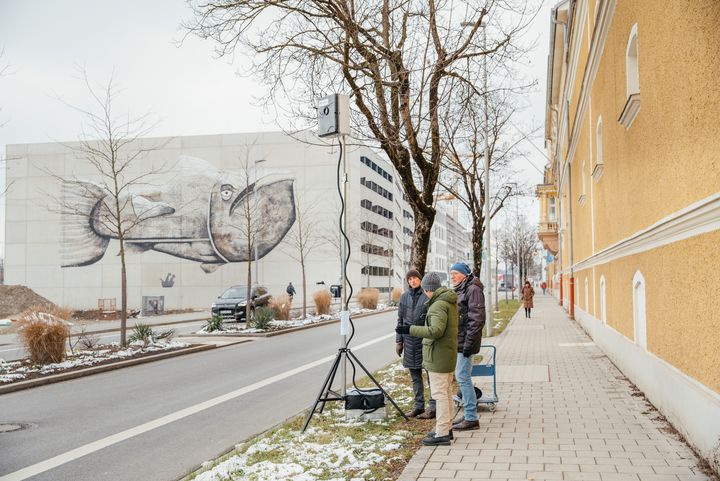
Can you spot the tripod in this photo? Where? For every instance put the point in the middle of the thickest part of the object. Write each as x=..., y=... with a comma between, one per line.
x=327, y=394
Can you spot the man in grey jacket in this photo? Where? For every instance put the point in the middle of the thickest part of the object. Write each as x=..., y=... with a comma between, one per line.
x=471, y=319
x=411, y=312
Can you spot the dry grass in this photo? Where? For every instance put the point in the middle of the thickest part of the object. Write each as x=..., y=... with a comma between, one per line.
x=322, y=302
x=368, y=298
x=395, y=295
x=44, y=332
x=281, y=307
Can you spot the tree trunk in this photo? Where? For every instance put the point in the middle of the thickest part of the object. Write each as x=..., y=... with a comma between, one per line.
x=421, y=240
x=477, y=239
x=248, y=300
x=123, y=296
x=304, y=286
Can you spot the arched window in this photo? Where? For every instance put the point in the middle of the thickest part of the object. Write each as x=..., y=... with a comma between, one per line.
x=639, y=317
x=587, y=296
x=603, y=306
x=599, y=161
x=631, y=63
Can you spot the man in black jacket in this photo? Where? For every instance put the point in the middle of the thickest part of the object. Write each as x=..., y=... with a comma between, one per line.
x=471, y=319
x=411, y=311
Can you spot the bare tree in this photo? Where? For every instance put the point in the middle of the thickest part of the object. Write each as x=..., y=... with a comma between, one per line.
x=302, y=240
x=111, y=144
x=397, y=58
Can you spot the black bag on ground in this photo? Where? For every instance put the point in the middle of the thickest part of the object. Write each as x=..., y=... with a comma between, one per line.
x=368, y=400
x=478, y=393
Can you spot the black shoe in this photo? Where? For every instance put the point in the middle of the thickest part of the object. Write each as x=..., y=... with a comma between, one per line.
x=414, y=413
x=437, y=441
x=466, y=425
x=427, y=415
x=431, y=435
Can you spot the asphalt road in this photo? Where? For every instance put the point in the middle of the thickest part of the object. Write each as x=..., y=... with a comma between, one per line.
x=159, y=421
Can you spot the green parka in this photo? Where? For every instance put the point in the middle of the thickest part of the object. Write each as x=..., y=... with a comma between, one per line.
x=440, y=332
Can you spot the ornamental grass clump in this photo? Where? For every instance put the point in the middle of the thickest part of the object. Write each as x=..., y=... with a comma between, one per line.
x=395, y=296
x=281, y=307
x=145, y=334
x=368, y=298
x=216, y=323
x=44, y=332
x=322, y=302
x=262, y=318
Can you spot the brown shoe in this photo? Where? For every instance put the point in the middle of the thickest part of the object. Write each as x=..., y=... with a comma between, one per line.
x=427, y=415
x=414, y=413
x=466, y=425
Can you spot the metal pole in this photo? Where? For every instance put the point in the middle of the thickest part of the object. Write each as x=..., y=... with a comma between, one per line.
x=343, y=371
x=488, y=271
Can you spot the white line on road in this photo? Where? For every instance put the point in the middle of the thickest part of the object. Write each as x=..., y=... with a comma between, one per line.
x=76, y=453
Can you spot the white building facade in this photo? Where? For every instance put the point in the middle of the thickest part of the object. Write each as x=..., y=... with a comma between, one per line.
x=187, y=247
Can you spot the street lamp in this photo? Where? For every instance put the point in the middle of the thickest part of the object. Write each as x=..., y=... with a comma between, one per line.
x=257, y=220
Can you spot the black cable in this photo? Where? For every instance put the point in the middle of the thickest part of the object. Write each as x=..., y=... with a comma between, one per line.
x=347, y=244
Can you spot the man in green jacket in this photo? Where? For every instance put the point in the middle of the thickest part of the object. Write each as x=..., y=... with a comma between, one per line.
x=439, y=335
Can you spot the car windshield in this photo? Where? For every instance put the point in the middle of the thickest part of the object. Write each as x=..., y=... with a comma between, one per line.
x=235, y=293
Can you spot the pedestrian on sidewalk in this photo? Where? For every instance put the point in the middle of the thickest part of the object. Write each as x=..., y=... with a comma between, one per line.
x=439, y=341
x=544, y=286
x=471, y=313
x=290, y=291
x=412, y=310
x=527, y=295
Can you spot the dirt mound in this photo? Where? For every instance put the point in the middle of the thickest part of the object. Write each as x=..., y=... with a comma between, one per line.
x=15, y=299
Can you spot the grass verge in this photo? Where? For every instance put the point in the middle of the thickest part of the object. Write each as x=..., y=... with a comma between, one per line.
x=332, y=448
x=502, y=319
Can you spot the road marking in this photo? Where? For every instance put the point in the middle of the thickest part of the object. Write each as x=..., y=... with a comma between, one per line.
x=76, y=453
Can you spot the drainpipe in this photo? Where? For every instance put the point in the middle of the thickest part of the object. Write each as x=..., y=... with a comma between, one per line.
x=570, y=230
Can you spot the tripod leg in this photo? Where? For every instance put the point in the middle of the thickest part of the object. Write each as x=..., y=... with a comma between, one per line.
x=332, y=379
x=323, y=390
x=377, y=384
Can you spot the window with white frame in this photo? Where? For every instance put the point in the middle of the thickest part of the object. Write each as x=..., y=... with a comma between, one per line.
x=599, y=161
x=603, y=302
x=632, y=80
x=639, y=314
x=551, y=209
x=631, y=63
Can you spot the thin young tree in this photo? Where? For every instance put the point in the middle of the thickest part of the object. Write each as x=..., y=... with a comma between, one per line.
x=110, y=143
x=302, y=240
x=396, y=58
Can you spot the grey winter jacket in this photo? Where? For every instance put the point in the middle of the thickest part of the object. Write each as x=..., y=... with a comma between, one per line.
x=412, y=311
x=471, y=313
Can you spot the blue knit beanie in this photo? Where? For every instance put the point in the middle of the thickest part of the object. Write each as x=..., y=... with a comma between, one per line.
x=461, y=267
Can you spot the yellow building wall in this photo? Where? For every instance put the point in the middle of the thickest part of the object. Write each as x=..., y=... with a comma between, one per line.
x=668, y=158
x=681, y=303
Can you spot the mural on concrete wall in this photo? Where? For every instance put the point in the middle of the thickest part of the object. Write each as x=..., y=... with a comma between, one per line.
x=198, y=215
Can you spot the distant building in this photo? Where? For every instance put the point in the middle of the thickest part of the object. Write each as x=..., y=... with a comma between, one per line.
x=630, y=202
x=191, y=247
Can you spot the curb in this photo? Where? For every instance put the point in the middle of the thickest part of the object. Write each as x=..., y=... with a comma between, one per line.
x=162, y=324
x=19, y=386
x=285, y=331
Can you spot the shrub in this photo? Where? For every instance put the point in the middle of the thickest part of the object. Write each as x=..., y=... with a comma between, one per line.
x=368, y=298
x=146, y=334
x=44, y=332
x=395, y=296
x=262, y=317
x=322, y=302
x=281, y=307
x=216, y=323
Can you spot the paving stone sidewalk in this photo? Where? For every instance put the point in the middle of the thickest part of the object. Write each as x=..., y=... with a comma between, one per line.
x=565, y=413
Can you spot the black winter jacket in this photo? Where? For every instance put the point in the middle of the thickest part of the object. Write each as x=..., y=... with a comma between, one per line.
x=471, y=313
x=411, y=311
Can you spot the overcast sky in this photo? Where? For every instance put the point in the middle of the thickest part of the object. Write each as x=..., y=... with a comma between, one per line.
x=191, y=91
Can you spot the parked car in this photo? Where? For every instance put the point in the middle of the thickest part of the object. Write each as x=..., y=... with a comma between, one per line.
x=232, y=304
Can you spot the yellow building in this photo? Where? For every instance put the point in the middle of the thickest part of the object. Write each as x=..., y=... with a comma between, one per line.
x=630, y=202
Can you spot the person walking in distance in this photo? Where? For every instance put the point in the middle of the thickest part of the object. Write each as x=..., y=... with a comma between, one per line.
x=543, y=285
x=527, y=295
x=439, y=341
x=411, y=312
x=471, y=313
x=290, y=289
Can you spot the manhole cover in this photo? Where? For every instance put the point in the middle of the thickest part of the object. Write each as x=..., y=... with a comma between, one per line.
x=10, y=427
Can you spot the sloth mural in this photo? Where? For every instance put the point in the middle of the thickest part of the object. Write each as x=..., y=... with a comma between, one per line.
x=198, y=214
